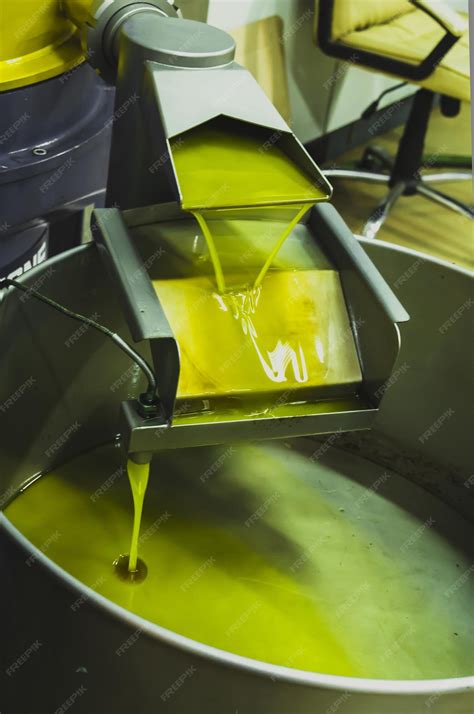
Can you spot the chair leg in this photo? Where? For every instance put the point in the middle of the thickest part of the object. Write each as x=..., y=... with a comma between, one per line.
x=410, y=149
x=380, y=215
x=447, y=177
x=356, y=175
x=438, y=197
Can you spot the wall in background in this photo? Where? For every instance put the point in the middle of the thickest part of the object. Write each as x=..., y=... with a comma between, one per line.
x=318, y=103
x=194, y=9
x=307, y=67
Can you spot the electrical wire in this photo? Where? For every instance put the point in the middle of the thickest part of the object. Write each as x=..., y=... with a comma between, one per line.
x=372, y=108
x=150, y=395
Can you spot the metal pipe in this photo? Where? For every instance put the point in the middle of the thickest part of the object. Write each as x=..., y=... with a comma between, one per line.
x=100, y=23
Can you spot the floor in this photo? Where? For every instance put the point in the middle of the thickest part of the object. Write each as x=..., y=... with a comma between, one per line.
x=416, y=222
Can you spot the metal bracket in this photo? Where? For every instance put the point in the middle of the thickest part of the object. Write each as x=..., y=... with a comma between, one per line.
x=144, y=313
x=100, y=27
x=374, y=313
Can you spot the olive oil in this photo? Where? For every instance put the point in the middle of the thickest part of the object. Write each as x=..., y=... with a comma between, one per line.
x=253, y=333
x=272, y=555
x=278, y=245
x=220, y=168
x=221, y=172
x=260, y=334
x=288, y=336
x=138, y=477
x=225, y=165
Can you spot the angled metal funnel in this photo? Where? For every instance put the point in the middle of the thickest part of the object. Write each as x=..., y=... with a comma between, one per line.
x=175, y=75
x=373, y=313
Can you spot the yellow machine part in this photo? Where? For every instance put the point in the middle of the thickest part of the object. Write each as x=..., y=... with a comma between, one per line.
x=37, y=41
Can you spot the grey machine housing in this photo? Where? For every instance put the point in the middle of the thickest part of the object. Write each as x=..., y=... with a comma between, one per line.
x=173, y=75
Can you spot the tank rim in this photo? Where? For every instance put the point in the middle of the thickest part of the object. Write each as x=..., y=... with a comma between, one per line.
x=351, y=685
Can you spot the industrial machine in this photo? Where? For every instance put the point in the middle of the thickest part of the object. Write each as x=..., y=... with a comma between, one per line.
x=171, y=75
x=66, y=402
x=55, y=130
x=155, y=60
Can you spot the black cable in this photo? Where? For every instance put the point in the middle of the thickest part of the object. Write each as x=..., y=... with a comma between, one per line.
x=372, y=108
x=150, y=394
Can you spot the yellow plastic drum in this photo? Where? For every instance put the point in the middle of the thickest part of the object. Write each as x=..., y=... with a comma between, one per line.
x=37, y=42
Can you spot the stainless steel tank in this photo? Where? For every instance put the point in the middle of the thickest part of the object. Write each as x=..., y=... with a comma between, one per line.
x=77, y=666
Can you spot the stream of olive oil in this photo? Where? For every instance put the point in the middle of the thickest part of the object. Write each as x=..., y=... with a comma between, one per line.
x=219, y=172
x=255, y=331
x=138, y=476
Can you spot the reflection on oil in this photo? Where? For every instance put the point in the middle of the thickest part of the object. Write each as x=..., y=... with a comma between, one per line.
x=287, y=336
x=253, y=331
x=242, y=306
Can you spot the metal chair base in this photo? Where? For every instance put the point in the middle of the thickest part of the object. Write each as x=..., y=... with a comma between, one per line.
x=420, y=186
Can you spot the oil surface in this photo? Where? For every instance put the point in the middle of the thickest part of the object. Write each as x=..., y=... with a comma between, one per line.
x=221, y=166
x=277, y=338
x=283, y=553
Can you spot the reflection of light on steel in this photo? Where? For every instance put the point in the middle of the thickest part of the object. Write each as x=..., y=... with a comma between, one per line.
x=319, y=349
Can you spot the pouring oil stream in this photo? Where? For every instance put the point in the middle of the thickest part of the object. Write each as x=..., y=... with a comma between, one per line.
x=211, y=180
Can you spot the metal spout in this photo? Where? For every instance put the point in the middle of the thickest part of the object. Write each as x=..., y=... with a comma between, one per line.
x=174, y=75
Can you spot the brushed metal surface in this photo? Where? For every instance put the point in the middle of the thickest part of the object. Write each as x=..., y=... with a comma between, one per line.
x=84, y=384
